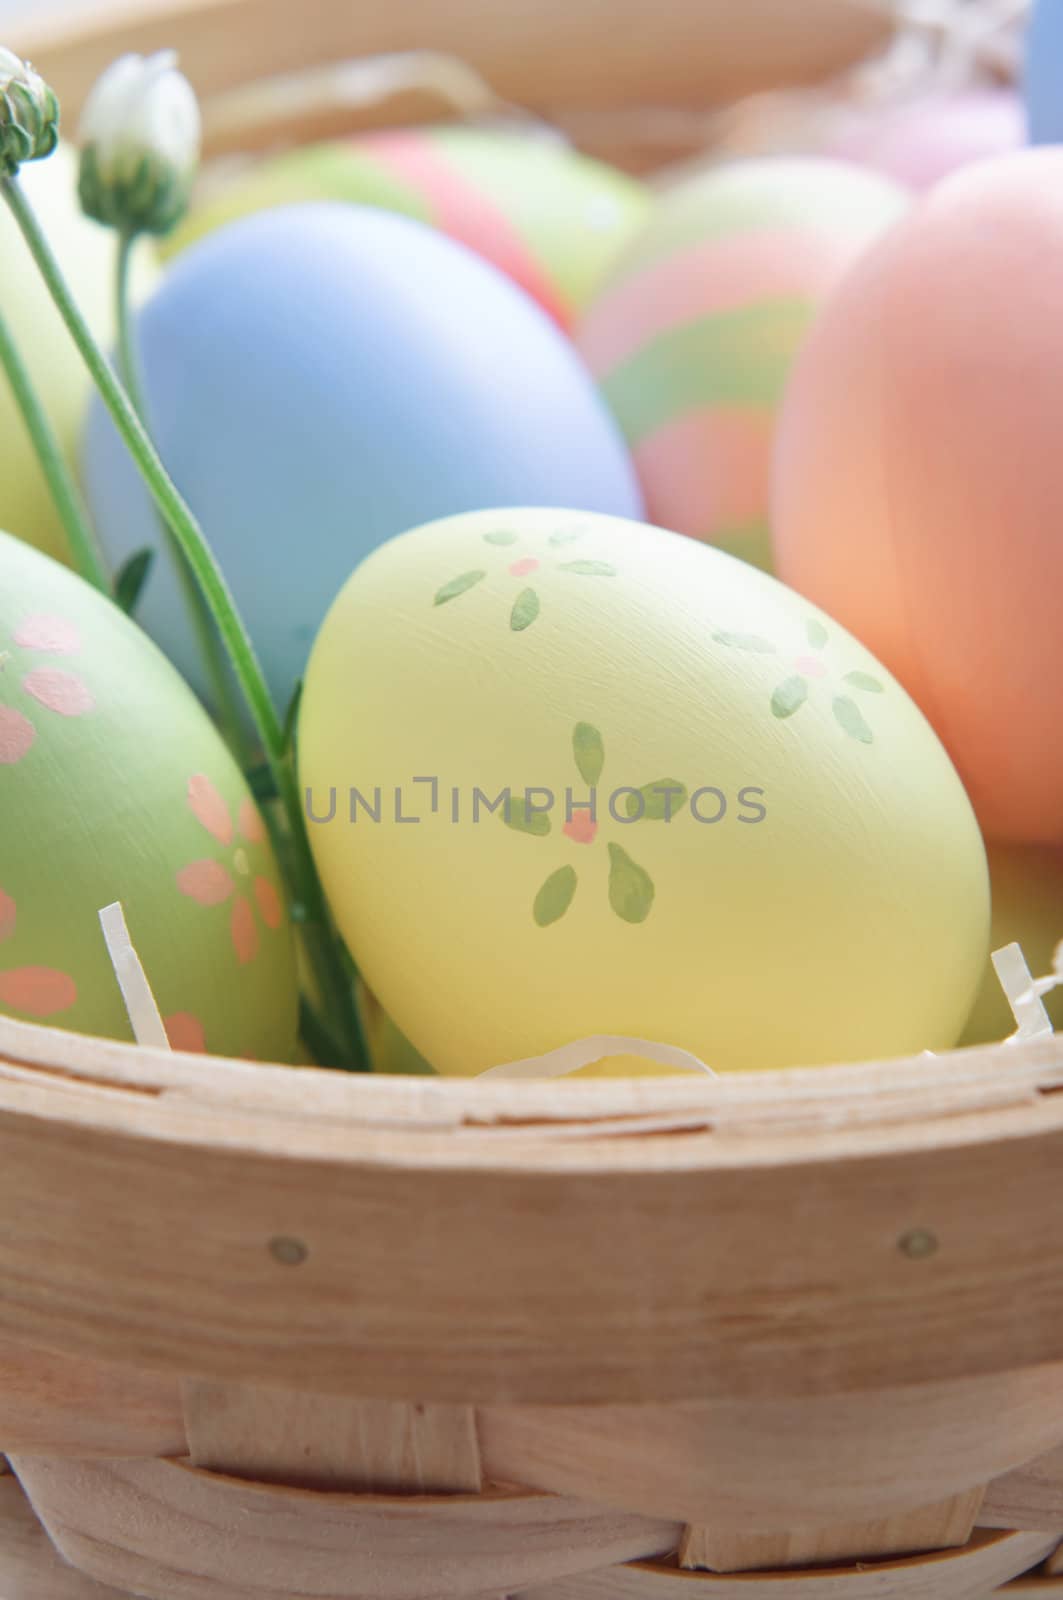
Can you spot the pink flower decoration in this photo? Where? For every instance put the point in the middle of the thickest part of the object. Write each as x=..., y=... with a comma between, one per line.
x=54, y=634
x=269, y=903
x=186, y=1032
x=8, y=915
x=209, y=808
x=210, y=883
x=206, y=882
x=521, y=568
x=250, y=819
x=37, y=991
x=581, y=828
x=16, y=736
x=58, y=691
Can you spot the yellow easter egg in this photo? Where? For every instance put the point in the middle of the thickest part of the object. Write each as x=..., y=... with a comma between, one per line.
x=568, y=775
x=1027, y=889
x=86, y=254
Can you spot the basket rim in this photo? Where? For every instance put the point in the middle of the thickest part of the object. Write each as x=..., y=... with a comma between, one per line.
x=476, y=1244
x=796, y=1114
x=777, y=1117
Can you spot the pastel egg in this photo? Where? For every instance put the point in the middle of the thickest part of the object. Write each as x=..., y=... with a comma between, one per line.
x=1026, y=882
x=114, y=785
x=551, y=219
x=321, y=377
x=388, y=1048
x=920, y=142
x=1043, y=72
x=693, y=338
x=919, y=476
x=86, y=253
x=595, y=778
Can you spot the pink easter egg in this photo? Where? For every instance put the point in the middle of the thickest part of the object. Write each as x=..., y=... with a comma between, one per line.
x=923, y=141
x=919, y=475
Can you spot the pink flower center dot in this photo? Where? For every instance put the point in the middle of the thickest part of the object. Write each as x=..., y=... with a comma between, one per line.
x=521, y=568
x=811, y=666
x=581, y=828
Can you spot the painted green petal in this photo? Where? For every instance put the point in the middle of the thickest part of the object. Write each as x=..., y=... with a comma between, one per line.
x=500, y=537
x=589, y=751
x=555, y=896
x=849, y=716
x=566, y=536
x=817, y=633
x=525, y=610
x=746, y=641
x=789, y=697
x=864, y=680
x=589, y=569
x=662, y=801
x=521, y=821
x=458, y=585
x=630, y=886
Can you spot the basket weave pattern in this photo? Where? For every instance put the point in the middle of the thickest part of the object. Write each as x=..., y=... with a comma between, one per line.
x=290, y=1334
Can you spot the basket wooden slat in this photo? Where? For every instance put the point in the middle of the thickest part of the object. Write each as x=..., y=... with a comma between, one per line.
x=969, y=1574
x=769, y=1263
x=598, y=53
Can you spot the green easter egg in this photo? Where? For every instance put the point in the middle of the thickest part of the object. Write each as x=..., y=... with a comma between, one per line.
x=115, y=786
x=86, y=254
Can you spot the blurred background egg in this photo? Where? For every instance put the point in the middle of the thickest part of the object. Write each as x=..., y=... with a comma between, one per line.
x=1026, y=882
x=922, y=140
x=781, y=865
x=551, y=219
x=693, y=337
x=919, y=476
x=322, y=377
x=114, y=785
x=87, y=256
x=1043, y=72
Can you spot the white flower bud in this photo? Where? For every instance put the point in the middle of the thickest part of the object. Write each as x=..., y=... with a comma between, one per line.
x=140, y=135
x=29, y=114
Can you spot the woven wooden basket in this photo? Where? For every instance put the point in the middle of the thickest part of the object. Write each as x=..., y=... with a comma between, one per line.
x=265, y=1333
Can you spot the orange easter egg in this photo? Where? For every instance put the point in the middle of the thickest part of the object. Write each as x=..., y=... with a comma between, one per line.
x=919, y=476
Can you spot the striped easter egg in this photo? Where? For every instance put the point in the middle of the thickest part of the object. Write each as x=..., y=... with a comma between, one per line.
x=551, y=219
x=694, y=335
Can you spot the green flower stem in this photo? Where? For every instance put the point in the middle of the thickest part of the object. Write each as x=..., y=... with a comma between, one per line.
x=309, y=908
x=68, y=501
x=210, y=646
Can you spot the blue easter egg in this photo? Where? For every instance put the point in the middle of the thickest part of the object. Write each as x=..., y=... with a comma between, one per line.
x=1043, y=74
x=322, y=377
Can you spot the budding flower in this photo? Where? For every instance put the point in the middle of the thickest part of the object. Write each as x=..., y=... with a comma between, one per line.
x=29, y=114
x=139, y=135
